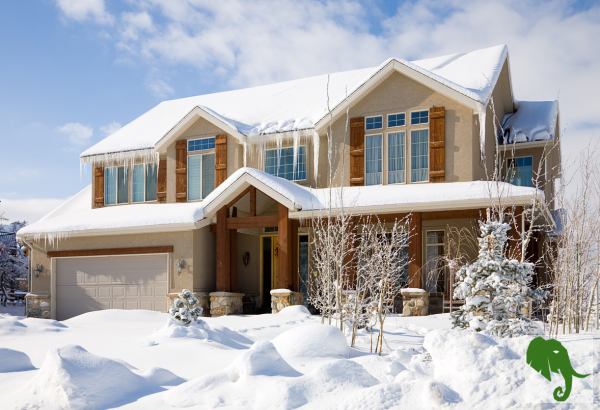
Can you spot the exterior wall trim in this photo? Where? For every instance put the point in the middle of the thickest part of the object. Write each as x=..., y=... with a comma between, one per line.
x=111, y=252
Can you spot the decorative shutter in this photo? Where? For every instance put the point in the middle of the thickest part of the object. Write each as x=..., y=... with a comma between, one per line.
x=181, y=171
x=99, y=187
x=161, y=194
x=437, y=144
x=220, y=159
x=357, y=151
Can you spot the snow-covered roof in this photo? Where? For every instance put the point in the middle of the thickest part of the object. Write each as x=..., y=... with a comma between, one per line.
x=532, y=121
x=76, y=216
x=298, y=104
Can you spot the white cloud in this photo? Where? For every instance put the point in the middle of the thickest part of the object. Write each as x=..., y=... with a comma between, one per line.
x=19, y=174
x=81, y=10
x=110, y=128
x=78, y=133
x=160, y=88
x=30, y=210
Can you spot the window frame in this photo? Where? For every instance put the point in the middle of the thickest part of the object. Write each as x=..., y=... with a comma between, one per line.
x=420, y=123
x=410, y=152
x=508, y=169
x=145, y=165
x=387, y=157
x=129, y=186
x=383, y=158
x=200, y=150
x=395, y=126
x=374, y=129
x=292, y=147
x=202, y=153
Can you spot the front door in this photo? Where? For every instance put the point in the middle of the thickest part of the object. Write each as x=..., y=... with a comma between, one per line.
x=269, y=267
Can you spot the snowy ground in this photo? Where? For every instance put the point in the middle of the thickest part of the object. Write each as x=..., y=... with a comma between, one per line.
x=135, y=360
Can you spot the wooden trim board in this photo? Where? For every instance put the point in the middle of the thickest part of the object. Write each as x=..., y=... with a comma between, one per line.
x=114, y=251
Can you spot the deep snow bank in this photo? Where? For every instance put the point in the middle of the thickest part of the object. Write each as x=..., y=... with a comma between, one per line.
x=312, y=341
x=73, y=378
x=14, y=361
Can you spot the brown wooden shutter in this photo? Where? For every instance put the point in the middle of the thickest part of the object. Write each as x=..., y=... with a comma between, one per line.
x=161, y=194
x=99, y=187
x=357, y=151
x=181, y=171
x=220, y=159
x=437, y=144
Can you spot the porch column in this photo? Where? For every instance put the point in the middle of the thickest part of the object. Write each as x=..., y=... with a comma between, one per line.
x=415, y=251
x=294, y=278
x=223, y=252
x=284, y=228
x=351, y=269
x=515, y=231
x=233, y=254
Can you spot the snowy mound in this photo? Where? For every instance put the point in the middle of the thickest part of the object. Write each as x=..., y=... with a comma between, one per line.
x=73, y=378
x=294, y=310
x=312, y=341
x=14, y=361
x=260, y=378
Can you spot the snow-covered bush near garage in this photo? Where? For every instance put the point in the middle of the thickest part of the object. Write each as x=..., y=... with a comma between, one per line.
x=495, y=289
x=186, y=308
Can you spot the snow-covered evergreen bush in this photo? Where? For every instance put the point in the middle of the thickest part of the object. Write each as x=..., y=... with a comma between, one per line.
x=495, y=288
x=186, y=308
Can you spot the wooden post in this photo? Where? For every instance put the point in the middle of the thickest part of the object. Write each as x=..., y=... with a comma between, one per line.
x=252, y=201
x=515, y=232
x=223, y=252
x=233, y=254
x=415, y=251
x=351, y=268
x=294, y=278
x=285, y=255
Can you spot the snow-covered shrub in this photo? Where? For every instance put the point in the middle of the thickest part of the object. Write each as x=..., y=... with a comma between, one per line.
x=186, y=308
x=495, y=288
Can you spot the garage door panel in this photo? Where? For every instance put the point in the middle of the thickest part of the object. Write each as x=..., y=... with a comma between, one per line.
x=120, y=282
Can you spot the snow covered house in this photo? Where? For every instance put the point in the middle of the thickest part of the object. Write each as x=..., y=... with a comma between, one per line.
x=215, y=193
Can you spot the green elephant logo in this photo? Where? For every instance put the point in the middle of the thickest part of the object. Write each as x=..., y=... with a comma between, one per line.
x=547, y=356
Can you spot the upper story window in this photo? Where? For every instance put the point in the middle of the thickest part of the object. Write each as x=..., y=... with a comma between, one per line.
x=419, y=117
x=286, y=163
x=200, y=176
x=396, y=120
x=145, y=180
x=116, y=185
x=201, y=144
x=374, y=123
x=373, y=159
x=520, y=171
x=419, y=155
x=396, y=157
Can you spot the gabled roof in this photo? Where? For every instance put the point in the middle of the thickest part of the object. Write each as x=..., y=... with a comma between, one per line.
x=300, y=104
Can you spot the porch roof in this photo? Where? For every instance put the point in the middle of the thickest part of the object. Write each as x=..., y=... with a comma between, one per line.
x=77, y=218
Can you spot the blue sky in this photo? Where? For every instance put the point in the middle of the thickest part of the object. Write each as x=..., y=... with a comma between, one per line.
x=73, y=70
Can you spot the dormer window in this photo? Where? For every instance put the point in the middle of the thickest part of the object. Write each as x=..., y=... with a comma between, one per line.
x=145, y=178
x=116, y=185
x=374, y=123
x=286, y=163
x=200, y=168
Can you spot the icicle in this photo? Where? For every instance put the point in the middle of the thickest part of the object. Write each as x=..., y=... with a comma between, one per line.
x=245, y=150
x=296, y=138
x=481, y=111
x=122, y=158
x=316, y=145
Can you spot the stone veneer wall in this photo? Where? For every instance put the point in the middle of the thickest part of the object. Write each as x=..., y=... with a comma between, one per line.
x=37, y=306
x=203, y=297
x=280, y=300
x=415, y=302
x=226, y=303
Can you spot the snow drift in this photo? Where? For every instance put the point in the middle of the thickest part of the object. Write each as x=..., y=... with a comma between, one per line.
x=14, y=361
x=312, y=341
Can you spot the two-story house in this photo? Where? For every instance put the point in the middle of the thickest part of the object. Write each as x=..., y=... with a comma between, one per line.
x=213, y=193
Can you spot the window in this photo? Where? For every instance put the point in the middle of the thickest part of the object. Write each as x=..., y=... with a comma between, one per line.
x=436, y=278
x=396, y=120
x=285, y=169
x=374, y=123
x=374, y=152
x=419, y=148
x=201, y=144
x=116, y=185
x=201, y=176
x=419, y=117
x=397, y=158
x=145, y=179
x=520, y=171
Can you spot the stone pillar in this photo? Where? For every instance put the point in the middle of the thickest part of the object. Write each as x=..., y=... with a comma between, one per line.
x=415, y=302
x=37, y=305
x=282, y=298
x=203, y=297
x=226, y=303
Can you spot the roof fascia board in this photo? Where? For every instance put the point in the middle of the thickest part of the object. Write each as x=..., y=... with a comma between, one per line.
x=193, y=115
x=125, y=231
x=525, y=145
x=409, y=72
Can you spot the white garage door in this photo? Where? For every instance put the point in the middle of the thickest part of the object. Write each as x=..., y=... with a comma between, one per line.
x=115, y=282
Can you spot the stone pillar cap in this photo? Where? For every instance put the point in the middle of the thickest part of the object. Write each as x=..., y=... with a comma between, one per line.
x=413, y=290
x=274, y=291
x=226, y=294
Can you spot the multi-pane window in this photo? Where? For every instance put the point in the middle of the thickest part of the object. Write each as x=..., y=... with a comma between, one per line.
x=396, y=120
x=282, y=165
x=374, y=123
x=374, y=160
x=201, y=144
x=520, y=171
x=116, y=185
x=419, y=117
x=397, y=157
x=419, y=155
x=145, y=179
x=200, y=176
x=436, y=271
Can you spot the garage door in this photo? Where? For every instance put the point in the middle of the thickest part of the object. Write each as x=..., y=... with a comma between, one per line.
x=116, y=282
